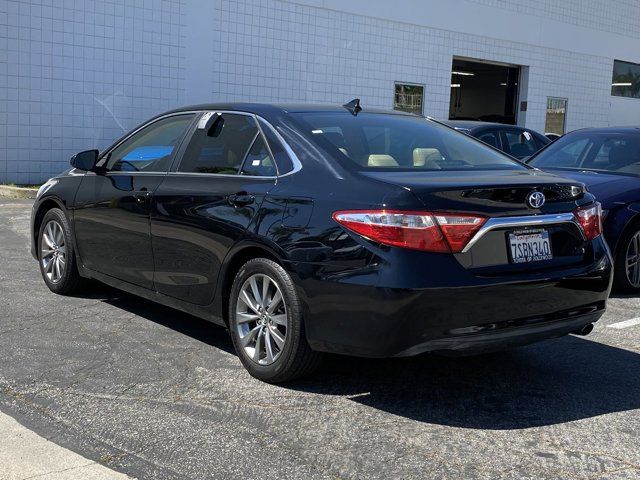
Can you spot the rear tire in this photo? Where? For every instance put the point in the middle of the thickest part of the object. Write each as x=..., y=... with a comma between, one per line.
x=626, y=276
x=266, y=325
x=56, y=255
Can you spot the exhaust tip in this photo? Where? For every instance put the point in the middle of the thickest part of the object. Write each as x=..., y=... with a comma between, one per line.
x=584, y=331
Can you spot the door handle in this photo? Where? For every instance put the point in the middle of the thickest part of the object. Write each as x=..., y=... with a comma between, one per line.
x=142, y=196
x=241, y=199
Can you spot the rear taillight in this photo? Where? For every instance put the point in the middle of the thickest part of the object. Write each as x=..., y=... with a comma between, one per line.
x=590, y=219
x=430, y=232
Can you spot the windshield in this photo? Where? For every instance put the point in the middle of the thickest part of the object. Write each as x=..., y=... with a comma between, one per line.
x=586, y=150
x=371, y=141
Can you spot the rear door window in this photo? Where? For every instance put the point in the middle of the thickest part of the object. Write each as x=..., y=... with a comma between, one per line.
x=222, y=147
x=490, y=137
x=520, y=143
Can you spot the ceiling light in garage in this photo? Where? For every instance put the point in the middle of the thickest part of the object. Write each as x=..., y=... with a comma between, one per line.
x=465, y=74
x=622, y=84
x=455, y=85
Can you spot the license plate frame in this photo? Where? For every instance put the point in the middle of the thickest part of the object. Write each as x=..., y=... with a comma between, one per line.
x=529, y=246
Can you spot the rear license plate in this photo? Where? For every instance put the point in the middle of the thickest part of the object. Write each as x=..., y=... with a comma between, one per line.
x=530, y=246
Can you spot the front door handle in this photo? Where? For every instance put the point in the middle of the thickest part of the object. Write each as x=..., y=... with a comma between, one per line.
x=241, y=199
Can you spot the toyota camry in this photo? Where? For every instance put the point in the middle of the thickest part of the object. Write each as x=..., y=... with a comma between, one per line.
x=307, y=229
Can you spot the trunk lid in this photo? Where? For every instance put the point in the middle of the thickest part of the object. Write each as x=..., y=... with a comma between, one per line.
x=492, y=193
x=502, y=196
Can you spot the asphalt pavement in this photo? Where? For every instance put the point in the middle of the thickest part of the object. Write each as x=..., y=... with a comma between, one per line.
x=155, y=393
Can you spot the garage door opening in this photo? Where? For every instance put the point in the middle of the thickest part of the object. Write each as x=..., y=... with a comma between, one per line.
x=484, y=91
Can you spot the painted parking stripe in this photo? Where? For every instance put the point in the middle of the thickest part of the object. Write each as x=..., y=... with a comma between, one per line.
x=626, y=324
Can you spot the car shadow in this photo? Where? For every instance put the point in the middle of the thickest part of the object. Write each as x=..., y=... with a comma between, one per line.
x=552, y=382
x=197, y=328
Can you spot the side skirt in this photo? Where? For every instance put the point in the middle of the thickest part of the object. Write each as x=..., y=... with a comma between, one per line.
x=198, y=311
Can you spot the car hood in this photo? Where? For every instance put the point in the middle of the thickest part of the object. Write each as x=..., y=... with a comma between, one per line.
x=609, y=188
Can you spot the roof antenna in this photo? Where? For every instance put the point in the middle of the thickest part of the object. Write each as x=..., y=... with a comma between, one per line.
x=353, y=106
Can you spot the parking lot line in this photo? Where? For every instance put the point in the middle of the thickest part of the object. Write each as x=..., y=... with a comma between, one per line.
x=626, y=324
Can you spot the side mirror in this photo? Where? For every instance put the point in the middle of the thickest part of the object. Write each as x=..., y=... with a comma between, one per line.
x=85, y=160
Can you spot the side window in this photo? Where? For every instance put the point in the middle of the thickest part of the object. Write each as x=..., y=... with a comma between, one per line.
x=490, y=138
x=570, y=155
x=152, y=148
x=258, y=161
x=284, y=163
x=521, y=144
x=222, y=148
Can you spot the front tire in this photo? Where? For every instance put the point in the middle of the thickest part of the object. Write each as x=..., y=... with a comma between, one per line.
x=265, y=321
x=627, y=262
x=56, y=254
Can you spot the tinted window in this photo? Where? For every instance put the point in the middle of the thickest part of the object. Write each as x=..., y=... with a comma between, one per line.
x=520, y=144
x=222, y=148
x=284, y=163
x=619, y=152
x=491, y=138
x=626, y=79
x=258, y=161
x=152, y=148
x=383, y=141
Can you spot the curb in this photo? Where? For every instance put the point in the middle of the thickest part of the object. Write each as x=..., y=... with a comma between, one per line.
x=7, y=191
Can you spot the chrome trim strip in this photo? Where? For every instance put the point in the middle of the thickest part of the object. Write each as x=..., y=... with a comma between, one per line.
x=525, y=221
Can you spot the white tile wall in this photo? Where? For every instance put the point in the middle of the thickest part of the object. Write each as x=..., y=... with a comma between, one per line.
x=619, y=16
x=76, y=74
x=277, y=51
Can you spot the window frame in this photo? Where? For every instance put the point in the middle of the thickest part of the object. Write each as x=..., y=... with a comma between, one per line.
x=564, y=117
x=613, y=82
x=408, y=84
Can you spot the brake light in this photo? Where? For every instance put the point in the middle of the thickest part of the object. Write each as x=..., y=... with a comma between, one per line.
x=430, y=232
x=590, y=219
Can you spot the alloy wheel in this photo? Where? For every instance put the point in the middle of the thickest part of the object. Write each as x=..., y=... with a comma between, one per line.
x=53, y=251
x=261, y=319
x=633, y=260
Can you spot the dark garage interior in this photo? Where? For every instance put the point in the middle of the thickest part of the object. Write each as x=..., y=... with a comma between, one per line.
x=483, y=91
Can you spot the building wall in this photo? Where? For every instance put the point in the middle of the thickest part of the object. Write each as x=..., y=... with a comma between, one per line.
x=77, y=74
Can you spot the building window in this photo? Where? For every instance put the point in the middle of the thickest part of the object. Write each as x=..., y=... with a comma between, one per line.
x=408, y=98
x=626, y=79
x=556, y=115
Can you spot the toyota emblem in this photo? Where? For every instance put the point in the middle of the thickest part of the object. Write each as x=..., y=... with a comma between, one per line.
x=536, y=199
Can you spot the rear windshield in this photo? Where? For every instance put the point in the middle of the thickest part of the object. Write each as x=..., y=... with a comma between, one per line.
x=593, y=150
x=372, y=141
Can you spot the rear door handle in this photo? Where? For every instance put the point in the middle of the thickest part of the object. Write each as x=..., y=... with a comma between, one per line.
x=142, y=196
x=241, y=199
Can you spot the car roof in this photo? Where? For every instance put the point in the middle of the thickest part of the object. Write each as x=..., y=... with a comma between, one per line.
x=472, y=124
x=627, y=129
x=281, y=108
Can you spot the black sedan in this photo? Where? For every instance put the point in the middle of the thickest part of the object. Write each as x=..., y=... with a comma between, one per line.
x=519, y=142
x=309, y=229
x=607, y=160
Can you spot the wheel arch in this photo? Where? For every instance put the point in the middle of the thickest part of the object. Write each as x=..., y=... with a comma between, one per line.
x=43, y=207
x=631, y=220
x=237, y=257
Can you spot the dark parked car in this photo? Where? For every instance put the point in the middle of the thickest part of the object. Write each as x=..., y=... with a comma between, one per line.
x=310, y=229
x=607, y=160
x=519, y=142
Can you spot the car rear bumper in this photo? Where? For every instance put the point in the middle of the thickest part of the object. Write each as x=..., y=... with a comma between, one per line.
x=342, y=315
